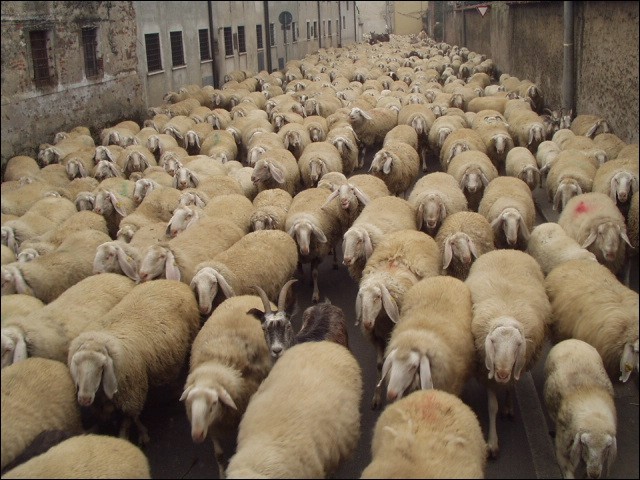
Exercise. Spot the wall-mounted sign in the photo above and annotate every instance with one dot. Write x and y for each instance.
(482, 9)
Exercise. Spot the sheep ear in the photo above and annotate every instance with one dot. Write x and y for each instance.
(386, 366)
(276, 172)
(361, 196)
(81, 170)
(426, 382)
(386, 167)
(390, 305)
(368, 247)
(521, 359)
(320, 236)
(185, 394)
(365, 115)
(117, 205)
(109, 380)
(472, 248)
(593, 129)
(127, 264)
(624, 237)
(226, 398)
(523, 230)
(20, 349)
(443, 212)
(489, 353)
(591, 238)
(21, 284)
(358, 308)
(496, 224)
(331, 196)
(419, 218)
(448, 253)
(627, 361)
(226, 288)
(557, 199)
(195, 179)
(172, 272)
(575, 451)
(485, 180)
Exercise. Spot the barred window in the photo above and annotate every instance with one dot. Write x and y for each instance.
(324, 28)
(308, 31)
(259, 37)
(90, 48)
(205, 51)
(315, 29)
(329, 28)
(242, 44)
(344, 24)
(228, 41)
(177, 50)
(294, 33)
(40, 56)
(152, 46)
(272, 34)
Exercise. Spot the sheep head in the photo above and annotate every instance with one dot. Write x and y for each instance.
(505, 350)
(202, 405)
(185, 178)
(605, 237)
(156, 262)
(623, 185)
(205, 286)
(461, 247)
(431, 212)
(407, 371)
(473, 180)
(372, 297)
(91, 365)
(356, 244)
(183, 217)
(597, 449)
(567, 189)
(303, 231)
(14, 346)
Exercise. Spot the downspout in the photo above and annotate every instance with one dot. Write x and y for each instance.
(339, 26)
(267, 31)
(213, 44)
(568, 74)
(464, 29)
(319, 32)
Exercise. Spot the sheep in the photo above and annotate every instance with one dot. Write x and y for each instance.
(157, 206)
(462, 238)
(318, 159)
(508, 205)
(317, 127)
(442, 128)
(380, 216)
(277, 168)
(229, 359)
(260, 143)
(402, 133)
(18, 201)
(271, 207)
(121, 134)
(117, 257)
(619, 179)
(474, 171)
(434, 197)
(400, 260)
(458, 141)
(595, 222)
(550, 245)
(26, 414)
(371, 127)
(421, 119)
(521, 163)
(632, 223)
(21, 166)
(431, 346)
(316, 227)
(55, 153)
(571, 174)
(80, 163)
(511, 316)
(156, 320)
(44, 215)
(220, 145)
(589, 125)
(344, 139)
(526, 128)
(177, 258)
(498, 141)
(355, 192)
(233, 271)
(590, 304)
(135, 158)
(48, 276)
(580, 400)
(398, 165)
(431, 421)
(546, 155)
(316, 441)
(629, 151)
(295, 138)
(490, 102)
(113, 206)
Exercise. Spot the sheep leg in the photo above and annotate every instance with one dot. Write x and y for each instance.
(361, 155)
(222, 464)
(143, 434)
(376, 402)
(564, 462)
(507, 407)
(492, 442)
(335, 258)
(315, 298)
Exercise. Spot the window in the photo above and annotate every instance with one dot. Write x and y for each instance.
(344, 24)
(177, 51)
(259, 37)
(90, 49)
(315, 29)
(205, 51)
(242, 44)
(294, 33)
(228, 42)
(152, 45)
(347, 6)
(308, 31)
(324, 28)
(329, 27)
(40, 56)
(272, 34)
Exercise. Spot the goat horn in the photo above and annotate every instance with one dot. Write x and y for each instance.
(283, 294)
(265, 299)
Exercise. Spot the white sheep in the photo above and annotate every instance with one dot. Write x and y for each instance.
(590, 304)
(277, 168)
(458, 141)
(18, 200)
(229, 360)
(121, 134)
(550, 245)
(595, 222)
(220, 145)
(521, 163)
(441, 128)
(462, 238)
(398, 165)
(318, 159)
(507, 204)
(420, 118)
(344, 139)
(354, 192)
(473, 170)
(400, 260)
(38, 394)
(496, 138)
(431, 346)
(511, 315)
(271, 207)
(157, 206)
(48, 276)
(55, 153)
(85, 456)
(117, 257)
(430, 421)
(317, 127)
(144, 343)
(264, 258)
(114, 206)
(619, 179)
(47, 331)
(321, 429)
(371, 126)
(434, 197)
(526, 128)
(589, 125)
(546, 155)
(580, 401)
(21, 166)
(295, 138)
(260, 143)
(380, 216)
(632, 223)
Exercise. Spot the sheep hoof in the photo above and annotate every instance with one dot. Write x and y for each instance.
(493, 451)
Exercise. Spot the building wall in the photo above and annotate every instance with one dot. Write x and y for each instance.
(408, 17)
(526, 40)
(374, 17)
(32, 115)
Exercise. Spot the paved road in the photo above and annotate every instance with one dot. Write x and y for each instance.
(525, 441)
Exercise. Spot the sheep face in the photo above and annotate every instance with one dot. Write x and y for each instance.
(91, 366)
(623, 186)
(371, 299)
(27, 255)
(205, 286)
(303, 232)
(202, 405)
(505, 349)
(156, 261)
(105, 169)
(473, 180)
(183, 218)
(356, 244)
(513, 227)
(567, 189)
(14, 347)
(192, 198)
(85, 201)
(604, 241)
(142, 187)
(459, 247)
(404, 371)
(596, 449)
(432, 212)
(185, 178)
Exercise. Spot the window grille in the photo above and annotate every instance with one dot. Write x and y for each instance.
(242, 44)
(259, 37)
(90, 48)
(40, 56)
(228, 41)
(205, 51)
(154, 58)
(272, 34)
(177, 50)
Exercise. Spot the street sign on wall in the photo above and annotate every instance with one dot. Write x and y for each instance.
(482, 9)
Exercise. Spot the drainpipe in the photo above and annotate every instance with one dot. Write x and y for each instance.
(568, 66)
(212, 43)
(265, 6)
(339, 26)
(319, 32)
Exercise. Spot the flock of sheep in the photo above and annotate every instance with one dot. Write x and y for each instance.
(175, 245)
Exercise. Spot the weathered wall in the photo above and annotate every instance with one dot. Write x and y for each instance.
(526, 40)
(408, 17)
(30, 115)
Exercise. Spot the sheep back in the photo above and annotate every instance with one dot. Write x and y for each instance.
(550, 245)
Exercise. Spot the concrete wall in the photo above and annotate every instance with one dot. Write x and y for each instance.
(408, 17)
(32, 115)
(374, 17)
(605, 48)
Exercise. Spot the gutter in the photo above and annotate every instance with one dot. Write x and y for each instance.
(568, 91)
(212, 44)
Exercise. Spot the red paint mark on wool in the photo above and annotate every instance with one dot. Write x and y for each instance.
(582, 208)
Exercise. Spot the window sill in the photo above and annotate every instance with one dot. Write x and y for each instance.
(179, 67)
(208, 60)
(155, 72)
